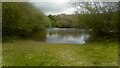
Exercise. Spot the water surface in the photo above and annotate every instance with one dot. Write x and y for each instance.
(60, 35)
(67, 35)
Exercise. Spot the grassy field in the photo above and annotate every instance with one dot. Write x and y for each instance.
(0, 54)
(31, 53)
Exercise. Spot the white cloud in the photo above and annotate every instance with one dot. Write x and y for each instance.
(58, 0)
(49, 1)
(55, 7)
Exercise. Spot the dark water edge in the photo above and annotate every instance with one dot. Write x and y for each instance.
(37, 36)
(60, 35)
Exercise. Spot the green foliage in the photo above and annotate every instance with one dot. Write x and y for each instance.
(52, 19)
(21, 18)
(64, 21)
(101, 18)
(103, 25)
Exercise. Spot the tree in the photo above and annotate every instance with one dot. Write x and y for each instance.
(21, 18)
(101, 17)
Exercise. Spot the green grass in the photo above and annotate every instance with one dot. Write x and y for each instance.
(31, 53)
(0, 54)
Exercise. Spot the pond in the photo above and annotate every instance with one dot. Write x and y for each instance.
(61, 35)
(67, 35)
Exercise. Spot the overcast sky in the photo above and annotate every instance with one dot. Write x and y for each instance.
(59, 6)
(55, 8)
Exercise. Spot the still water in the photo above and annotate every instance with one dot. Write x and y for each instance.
(61, 35)
(67, 35)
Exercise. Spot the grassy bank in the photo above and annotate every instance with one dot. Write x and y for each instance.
(31, 53)
(0, 54)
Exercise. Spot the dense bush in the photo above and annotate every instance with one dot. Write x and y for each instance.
(21, 18)
(100, 17)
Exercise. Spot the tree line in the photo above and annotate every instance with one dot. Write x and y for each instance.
(21, 18)
(63, 21)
